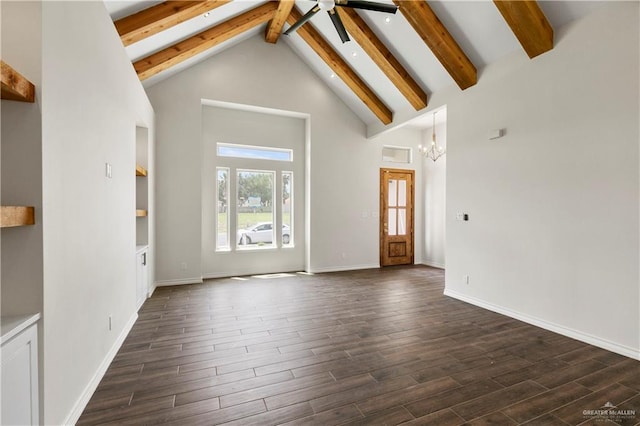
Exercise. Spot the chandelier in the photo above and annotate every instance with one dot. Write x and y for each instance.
(433, 151)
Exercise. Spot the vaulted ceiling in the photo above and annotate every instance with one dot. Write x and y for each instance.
(390, 66)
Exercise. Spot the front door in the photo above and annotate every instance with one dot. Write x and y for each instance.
(396, 217)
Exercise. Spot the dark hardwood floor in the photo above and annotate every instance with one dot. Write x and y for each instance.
(373, 347)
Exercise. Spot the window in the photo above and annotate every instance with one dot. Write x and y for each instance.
(397, 204)
(222, 226)
(253, 202)
(287, 209)
(396, 154)
(255, 213)
(254, 152)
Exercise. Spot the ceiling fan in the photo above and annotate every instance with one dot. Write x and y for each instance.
(330, 5)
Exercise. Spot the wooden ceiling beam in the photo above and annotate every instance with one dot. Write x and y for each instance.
(185, 49)
(436, 36)
(274, 28)
(379, 53)
(158, 18)
(529, 25)
(342, 69)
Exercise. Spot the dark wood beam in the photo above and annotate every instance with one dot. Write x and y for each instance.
(158, 18)
(528, 23)
(342, 69)
(274, 29)
(185, 49)
(378, 52)
(436, 36)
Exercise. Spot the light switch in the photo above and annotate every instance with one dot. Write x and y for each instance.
(107, 170)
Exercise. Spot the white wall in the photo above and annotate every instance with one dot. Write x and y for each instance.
(553, 230)
(91, 103)
(344, 164)
(434, 184)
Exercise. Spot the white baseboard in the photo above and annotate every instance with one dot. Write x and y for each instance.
(181, 281)
(82, 402)
(151, 290)
(246, 272)
(344, 268)
(433, 264)
(556, 328)
(222, 275)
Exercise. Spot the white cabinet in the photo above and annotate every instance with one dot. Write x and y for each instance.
(142, 275)
(19, 371)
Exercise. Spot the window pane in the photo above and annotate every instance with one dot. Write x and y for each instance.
(402, 193)
(392, 222)
(393, 189)
(222, 226)
(255, 209)
(287, 209)
(395, 154)
(402, 221)
(254, 152)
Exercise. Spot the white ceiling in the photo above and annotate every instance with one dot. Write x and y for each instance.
(477, 26)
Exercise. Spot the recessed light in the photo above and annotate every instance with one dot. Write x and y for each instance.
(206, 15)
(332, 75)
(387, 19)
(354, 54)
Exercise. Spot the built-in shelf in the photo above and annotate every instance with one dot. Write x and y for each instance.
(15, 87)
(140, 171)
(16, 216)
(141, 213)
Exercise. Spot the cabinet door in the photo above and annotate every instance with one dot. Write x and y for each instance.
(141, 278)
(20, 379)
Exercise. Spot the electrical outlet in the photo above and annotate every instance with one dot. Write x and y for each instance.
(183, 266)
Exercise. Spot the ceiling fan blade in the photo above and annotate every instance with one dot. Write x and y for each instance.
(337, 22)
(303, 20)
(368, 5)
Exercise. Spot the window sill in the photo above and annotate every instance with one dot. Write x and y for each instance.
(253, 249)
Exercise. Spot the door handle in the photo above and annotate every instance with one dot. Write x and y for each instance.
(144, 259)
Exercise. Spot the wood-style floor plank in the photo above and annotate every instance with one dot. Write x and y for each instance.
(371, 347)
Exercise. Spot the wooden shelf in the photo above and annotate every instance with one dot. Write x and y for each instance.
(16, 216)
(141, 213)
(15, 87)
(140, 171)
